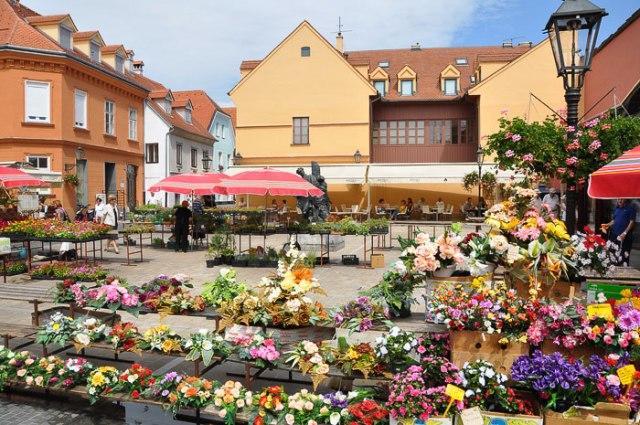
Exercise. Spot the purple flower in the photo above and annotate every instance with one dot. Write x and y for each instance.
(629, 319)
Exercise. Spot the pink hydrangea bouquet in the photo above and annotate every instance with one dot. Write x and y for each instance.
(112, 294)
(429, 254)
(262, 349)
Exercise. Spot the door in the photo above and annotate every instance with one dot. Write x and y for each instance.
(82, 191)
(132, 180)
(110, 179)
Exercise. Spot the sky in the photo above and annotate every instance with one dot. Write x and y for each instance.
(199, 44)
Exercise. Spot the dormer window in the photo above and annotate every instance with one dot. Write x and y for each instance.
(119, 64)
(461, 61)
(94, 51)
(381, 86)
(383, 64)
(450, 81)
(167, 106)
(450, 86)
(65, 37)
(406, 87)
(305, 51)
(187, 115)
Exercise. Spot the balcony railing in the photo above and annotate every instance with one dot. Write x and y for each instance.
(424, 153)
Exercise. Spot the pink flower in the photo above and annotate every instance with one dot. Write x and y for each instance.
(605, 126)
(562, 170)
(571, 161)
(527, 157)
(604, 156)
(594, 146)
(570, 129)
(509, 153)
(508, 135)
(516, 137)
(573, 146)
(592, 123)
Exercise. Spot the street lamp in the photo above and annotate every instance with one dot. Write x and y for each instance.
(206, 161)
(573, 30)
(480, 161)
(357, 156)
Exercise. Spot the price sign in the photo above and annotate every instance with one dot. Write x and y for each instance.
(600, 310)
(454, 392)
(472, 416)
(626, 374)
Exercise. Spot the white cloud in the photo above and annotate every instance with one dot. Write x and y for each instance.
(192, 44)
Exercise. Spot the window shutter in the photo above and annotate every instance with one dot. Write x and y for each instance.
(80, 109)
(65, 37)
(37, 101)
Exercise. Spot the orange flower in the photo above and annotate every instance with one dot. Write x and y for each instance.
(207, 385)
(191, 392)
(303, 273)
(173, 398)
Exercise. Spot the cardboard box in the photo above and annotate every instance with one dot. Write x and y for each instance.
(468, 346)
(610, 288)
(430, 421)
(602, 414)
(493, 418)
(377, 261)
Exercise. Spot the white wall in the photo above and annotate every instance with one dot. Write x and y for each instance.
(155, 131)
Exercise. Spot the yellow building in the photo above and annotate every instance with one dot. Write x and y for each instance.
(390, 124)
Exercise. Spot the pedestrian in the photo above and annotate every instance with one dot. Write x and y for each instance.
(197, 206)
(98, 210)
(61, 213)
(552, 202)
(621, 228)
(183, 216)
(284, 208)
(110, 218)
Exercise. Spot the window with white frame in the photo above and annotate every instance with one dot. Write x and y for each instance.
(178, 153)
(80, 109)
(133, 124)
(39, 162)
(65, 37)
(109, 117)
(380, 85)
(194, 158)
(151, 153)
(119, 63)
(225, 131)
(94, 51)
(406, 87)
(450, 86)
(37, 101)
(301, 131)
(187, 115)
(217, 130)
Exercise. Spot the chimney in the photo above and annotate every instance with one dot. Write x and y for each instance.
(415, 46)
(137, 67)
(128, 63)
(340, 42)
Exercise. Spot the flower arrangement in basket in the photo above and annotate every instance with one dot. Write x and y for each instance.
(74, 372)
(88, 330)
(397, 350)
(594, 253)
(360, 315)
(427, 254)
(282, 300)
(308, 356)
(135, 380)
(367, 412)
(619, 329)
(191, 392)
(169, 295)
(59, 330)
(482, 252)
(124, 337)
(163, 387)
(563, 323)
(101, 382)
(353, 358)
(303, 407)
(230, 397)
(223, 289)
(260, 348)
(269, 406)
(113, 294)
(160, 338)
(43, 371)
(206, 345)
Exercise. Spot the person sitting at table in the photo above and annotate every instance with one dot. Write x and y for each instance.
(380, 209)
(467, 207)
(409, 205)
(421, 203)
(283, 208)
(482, 205)
(440, 206)
(401, 214)
(274, 205)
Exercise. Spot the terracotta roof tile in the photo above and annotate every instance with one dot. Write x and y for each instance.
(22, 10)
(233, 113)
(249, 64)
(45, 19)
(112, 48)
(179, 103)
(84, 35)
(204, 108)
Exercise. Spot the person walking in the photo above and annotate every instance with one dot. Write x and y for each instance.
(98, 210)
(110, 218)
(183, 216)
(621, 228)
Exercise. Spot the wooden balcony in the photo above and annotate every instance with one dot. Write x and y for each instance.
(423, 153)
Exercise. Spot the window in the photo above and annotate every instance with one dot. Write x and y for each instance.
(39, 162)
(454, 132)
(109, 118)
(37, 101)
(151, 153)
(94, 51)
(402, 125)
(305, 51)
(406, 87)
(450, 86)
(133, 124)
(220, 165)
(80, 109)
(384, 132)
(463, 131)
(217, 131)
(301, 131)
(461, 61)
(447, 132)
(194, 158)
(393, 132)
(380, 86)
(383, 64)
(187, 115)
(411, 132)
(119, 63)
(65, 37)
(178, 153)
(225, 131)
(435, 132)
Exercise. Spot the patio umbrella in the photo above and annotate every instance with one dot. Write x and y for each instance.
(267, 181)
(12, 177)
(190, 183)
(618, 179)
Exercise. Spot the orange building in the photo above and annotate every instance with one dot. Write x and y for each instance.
(74, 108)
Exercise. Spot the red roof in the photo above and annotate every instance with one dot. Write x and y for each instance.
(232, 111)
(45, 19)
(204, 108)
(427, 63)
(84, 35)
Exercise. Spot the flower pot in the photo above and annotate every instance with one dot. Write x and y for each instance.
(445, 271)
(227, 260)
(436, 420)
(468, 346)
(403, 312)
(212, 262)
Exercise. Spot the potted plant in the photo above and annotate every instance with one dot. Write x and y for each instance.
(71, 179)
(396, 288)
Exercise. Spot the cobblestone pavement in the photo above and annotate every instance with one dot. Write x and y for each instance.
(33, 412)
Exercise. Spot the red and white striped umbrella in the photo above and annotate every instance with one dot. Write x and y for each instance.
(190, 184)
(267, 181)
(618, 179)
(13, 177)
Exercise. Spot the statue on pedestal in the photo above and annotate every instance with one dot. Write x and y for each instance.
(315, 209)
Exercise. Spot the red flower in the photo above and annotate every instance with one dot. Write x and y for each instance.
(135, 394)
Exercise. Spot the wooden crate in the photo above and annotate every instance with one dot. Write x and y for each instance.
(468, 346)
(602, 414)
(583, 351)
(557, 291)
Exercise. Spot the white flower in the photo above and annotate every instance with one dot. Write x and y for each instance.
(207, 345)
(334, 418)
(240, 403)
(132, 378)
(383, 350)
(310, 347)
(490, 373)
(83, 339)
(407, 347)
(222, 413)
(395, 331)
(289, 419)
(399, 267)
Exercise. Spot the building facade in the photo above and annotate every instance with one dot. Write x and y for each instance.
(363, 113)
(76, 111)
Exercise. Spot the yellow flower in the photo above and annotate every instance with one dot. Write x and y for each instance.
(352, 354)
(97, 379)
(168, 345)
(305, 285)
(626, 293)
(289, 281)
(503, 341)
(56, 326)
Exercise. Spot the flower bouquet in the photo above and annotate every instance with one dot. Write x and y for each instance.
(205, 345)
(334, 406)
(261, 349)
(59, 330)
(483, 252)
(135, 380)
(43, 371)
(398, 350)
(437, 256)
(367, 412)
(224, 289)
(395, 290)
(437, 371)
(124, 337)
(101, 382)
(230, 397)
(308, 356)
(163, 386)
(434, 344)
(191, 392)
(19, 364)
(618, 332)
(74, 372)
(358, 357)
(360, 315)
(268, 407)
(303, 407)
(88, 330)
(170, 295)
(594, 253)
(62, 292)
(485, 388)
(112, 295)
(563, 323)
(160, 338)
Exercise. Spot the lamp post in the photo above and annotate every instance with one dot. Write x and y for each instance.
(357, 156)
(480, 161)
(572, 31)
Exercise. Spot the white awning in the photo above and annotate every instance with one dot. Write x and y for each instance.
(333, 173)
(428, 173)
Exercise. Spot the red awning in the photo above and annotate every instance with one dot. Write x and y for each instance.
(618, 179)
(190, 184)
(13, 177)
(268, 181)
